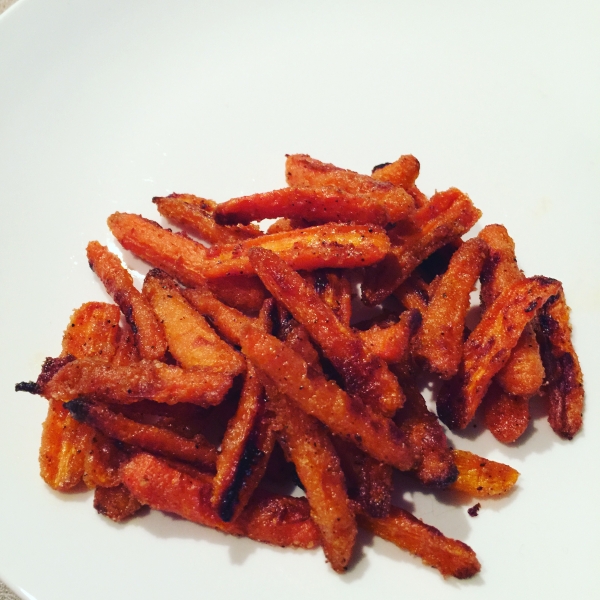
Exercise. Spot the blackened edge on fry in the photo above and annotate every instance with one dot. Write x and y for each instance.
(78, 408)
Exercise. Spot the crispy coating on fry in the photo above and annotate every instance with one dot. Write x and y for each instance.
(303, 171)
(564, 385)
(242, 292)
(446, 217)
(147, 379)
(392, 343)
(334, 289)
(306, 443)
(197, 215)
(245, 450)
(102, 461)
(269, 518)
(229, 321)
(369, 481)
(174, 253)
(480, 477)
(71, 452)
(343, 414)
(92, 331)
(148, 437)
(116, 503)
(147, 331)
(365, 375)
(488, 347)
(337, 246)
(436, 464)
(322, 246)
(506, 416)
(313, 205)
(450, 557)
(402, 172)
(439, 341)
(191, 340)
(61, 459)
(523, 374)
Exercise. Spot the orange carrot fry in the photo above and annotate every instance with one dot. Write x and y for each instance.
(245, 451)
(116, 503)
(334, 289)
(306, 443)
(345, 415)
(147, 330)
(439, 341)
(506, 416)
(365, 375)
(480, 477)
(489, 346)
(523, 374)
(192, 341)
(322, 246)
(304, 171)
(564, 385)
(446, 217)
(313, 205)
(148, 437)
(269, 518)
(402, 172)
(369, 481)
(92, 331)
(197, 215)
(147, 379)
(392, 343)
(337, 246)
(436, 465)
(450, 557)
(228, 321)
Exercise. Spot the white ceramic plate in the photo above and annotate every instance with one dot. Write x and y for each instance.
(104, 104)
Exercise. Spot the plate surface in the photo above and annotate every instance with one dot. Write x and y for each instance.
(105, 104)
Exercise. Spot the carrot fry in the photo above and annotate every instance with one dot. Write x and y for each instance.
(450, 557)
(402, 172)
(148, 437)
(365, 375)
(436, 465)
(480, 477)
(245, 451)
(306, 443)
(523, 374)
(337, 246)
(197, 215)
(192, 341)
(313, 205)
(147, 331)
(303, 171)
(92, 331)
(147, 379)
(489, 346)
(334, 289)
(446, 217)
(506, 416)
(439, 341)
(392, 343)
(345, 415)
(228, 321)
(269, 518)
(369, 481)
(564, 385)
